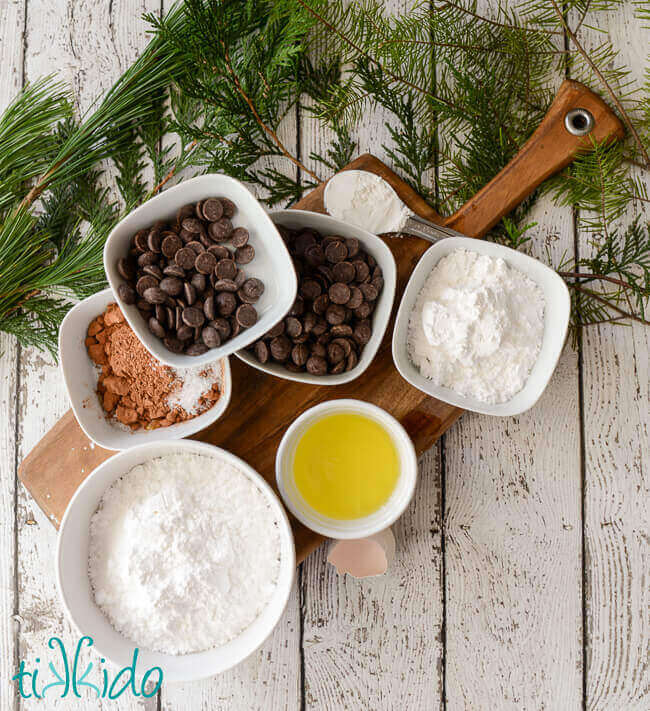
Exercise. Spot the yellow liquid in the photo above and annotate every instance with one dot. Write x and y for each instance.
(346, 466)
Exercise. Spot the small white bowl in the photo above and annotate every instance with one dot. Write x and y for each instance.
(75, 588)
(353, 528)
(80, 378)
(326, 225)
(272, 263)
(556, 322)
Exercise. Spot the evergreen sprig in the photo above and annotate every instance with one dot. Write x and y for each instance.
(222, 78)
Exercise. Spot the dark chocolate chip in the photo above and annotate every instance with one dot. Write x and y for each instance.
(193, 225)
(185, 258)
(229, 207)
(174, 270)
(293, 326)
(193, 317)
(339, 293)
(225, 269)
(280, 348)
(261, 351)
(316, 365)
(352, 360)
(337, 368)
(253, 288)
(125, 268)
(205, 263)
(335, 314)
(369, 292)
(356, 298)
(184, 333)
(310, 289)
(314, 255)
(222, 326)
(196, 246)
(154, 240)
(212, 209)
(154, 295)
(156, 327)
(336, 252)
(189, 292)
(140, 240)
(298, 307)
(196, 349)
(225, 285)
(173, 344)
(362, 333)
(335, 353)
(277, 330)
(147, 258)
(171, 285)
(226, 303)
(245, 254)
(220, 230)
(362, 269)
(211, 337)
(246, 315)
(154, 271)
(344, 272)
(300, 354)
(321, 303)
(352, 243)
(127, 294)
(219, 251)
(239, 237)
(209, 307)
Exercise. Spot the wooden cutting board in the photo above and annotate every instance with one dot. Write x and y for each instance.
(263, 406)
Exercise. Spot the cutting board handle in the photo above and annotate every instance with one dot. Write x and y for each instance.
(551, 148)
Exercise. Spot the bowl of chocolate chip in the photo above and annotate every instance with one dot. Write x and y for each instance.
(200, 271)
(346, 286)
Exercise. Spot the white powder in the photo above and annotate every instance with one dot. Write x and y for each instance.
(193, 384)
(184, 553)
(365, 200)
(477, 326)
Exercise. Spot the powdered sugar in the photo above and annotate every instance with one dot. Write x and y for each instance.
(365, 200)
(194, 384)
(184, 553)
(477, 326)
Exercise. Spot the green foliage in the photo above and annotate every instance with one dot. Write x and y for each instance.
(213, 91)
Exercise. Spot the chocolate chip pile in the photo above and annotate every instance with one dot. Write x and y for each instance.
(188, 283)
(329, 322)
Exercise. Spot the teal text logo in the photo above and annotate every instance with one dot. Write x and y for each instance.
(65, 678)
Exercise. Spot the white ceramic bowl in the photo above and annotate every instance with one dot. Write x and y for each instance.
(556, 322)
(76, 593)
(81, 380)
(354, 528)
(272, 263)
(373, 245)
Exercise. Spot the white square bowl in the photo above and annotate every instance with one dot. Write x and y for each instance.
(80, 378)
(326, 225)
(556, 322)
(272, 263)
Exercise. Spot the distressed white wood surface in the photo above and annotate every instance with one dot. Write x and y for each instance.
(616, 384)
(512, 547)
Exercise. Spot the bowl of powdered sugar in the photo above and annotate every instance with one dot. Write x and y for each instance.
(481, 326)
(179, 549)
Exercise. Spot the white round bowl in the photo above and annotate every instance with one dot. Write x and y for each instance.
(353, 528)
(556, 322)
(80, 380)
(326, 225)
(272, 263)
(75, 589)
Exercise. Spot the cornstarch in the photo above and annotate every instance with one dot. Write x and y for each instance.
(477, 326)
(184, 553)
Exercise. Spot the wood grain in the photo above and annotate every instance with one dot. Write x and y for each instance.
(12, 22)
(377, 644)
(513, 539)
(88, 44)
(616, 386)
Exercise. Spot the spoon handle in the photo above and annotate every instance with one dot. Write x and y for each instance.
(419, 227)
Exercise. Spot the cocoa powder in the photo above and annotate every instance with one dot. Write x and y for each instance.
(133, 386)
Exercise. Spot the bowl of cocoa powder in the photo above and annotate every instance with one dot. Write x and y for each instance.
(120, 394)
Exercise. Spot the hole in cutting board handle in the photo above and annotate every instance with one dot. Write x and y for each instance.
(579, 122)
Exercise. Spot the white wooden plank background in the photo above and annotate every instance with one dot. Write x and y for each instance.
(498, 570)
